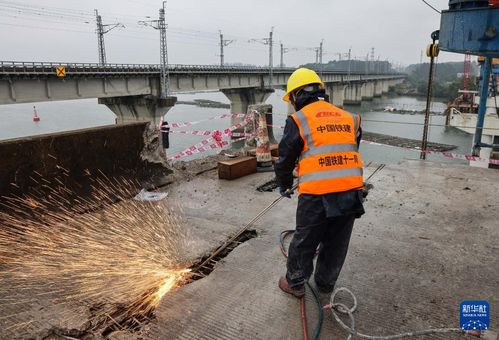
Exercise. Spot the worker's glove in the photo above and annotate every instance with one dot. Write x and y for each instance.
(285, 192)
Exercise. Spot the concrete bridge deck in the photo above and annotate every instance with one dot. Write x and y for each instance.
(427, 242)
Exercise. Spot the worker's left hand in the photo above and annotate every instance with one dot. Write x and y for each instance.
(286, 192)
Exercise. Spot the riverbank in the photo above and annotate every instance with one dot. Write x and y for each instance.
(404, 142)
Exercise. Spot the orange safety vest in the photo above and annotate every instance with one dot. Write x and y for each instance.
(330, 160)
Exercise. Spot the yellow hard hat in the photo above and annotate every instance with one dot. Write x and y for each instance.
(301, 77)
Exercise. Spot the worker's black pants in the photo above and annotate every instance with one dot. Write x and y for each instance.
(333, 234)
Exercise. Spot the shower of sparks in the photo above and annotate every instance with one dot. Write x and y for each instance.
(109, 255)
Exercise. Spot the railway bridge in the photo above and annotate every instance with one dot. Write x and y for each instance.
(132, 91)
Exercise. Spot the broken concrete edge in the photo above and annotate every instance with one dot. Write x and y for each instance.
(75, 157)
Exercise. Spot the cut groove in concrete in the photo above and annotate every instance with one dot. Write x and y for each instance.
(208, 267)
(268, 186)
(133, 323)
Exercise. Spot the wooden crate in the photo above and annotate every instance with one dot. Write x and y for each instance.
(235, 168)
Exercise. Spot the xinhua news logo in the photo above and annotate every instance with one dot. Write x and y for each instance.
(475, 315)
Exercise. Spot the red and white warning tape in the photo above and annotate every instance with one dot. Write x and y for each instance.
(184, 124)
(226, 132)
(202, 147)
(444, 154)
(216, 137)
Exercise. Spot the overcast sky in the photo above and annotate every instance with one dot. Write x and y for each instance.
(64, 30)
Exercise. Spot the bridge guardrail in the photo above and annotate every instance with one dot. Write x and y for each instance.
(48, 68)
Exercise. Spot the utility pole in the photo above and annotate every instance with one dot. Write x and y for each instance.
(161, 26)
(317, 51)
(268, 41)
(321, 51)
(372, 66)
(101, 30)
(349, 62)
(223, 43)
(165, 76)
(271, 56)
(283, 50)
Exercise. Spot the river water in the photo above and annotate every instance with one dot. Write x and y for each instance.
(16, 121)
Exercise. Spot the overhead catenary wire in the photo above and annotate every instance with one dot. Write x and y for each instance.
(26, 11)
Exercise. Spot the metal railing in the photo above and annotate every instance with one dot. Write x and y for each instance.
(48, 68)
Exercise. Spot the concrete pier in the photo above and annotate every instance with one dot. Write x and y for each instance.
(353, 94)
(368, 91)
(378, 88)
(139, 108)
(336, 94)
(241, 99)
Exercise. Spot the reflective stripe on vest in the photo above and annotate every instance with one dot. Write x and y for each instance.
(323, 175)
(330, 167)
(305, 129)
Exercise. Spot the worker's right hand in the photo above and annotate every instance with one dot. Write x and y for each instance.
(286, 192)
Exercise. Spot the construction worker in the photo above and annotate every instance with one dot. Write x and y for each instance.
(165, 136)
(324, 140)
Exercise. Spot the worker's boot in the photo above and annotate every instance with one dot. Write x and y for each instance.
(284, 285)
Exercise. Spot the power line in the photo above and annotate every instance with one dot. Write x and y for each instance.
(40, 11)
(45, 28)
(70, 23)
(48, 8)
(61, 15)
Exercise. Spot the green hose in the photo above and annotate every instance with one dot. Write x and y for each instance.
(318, 326)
